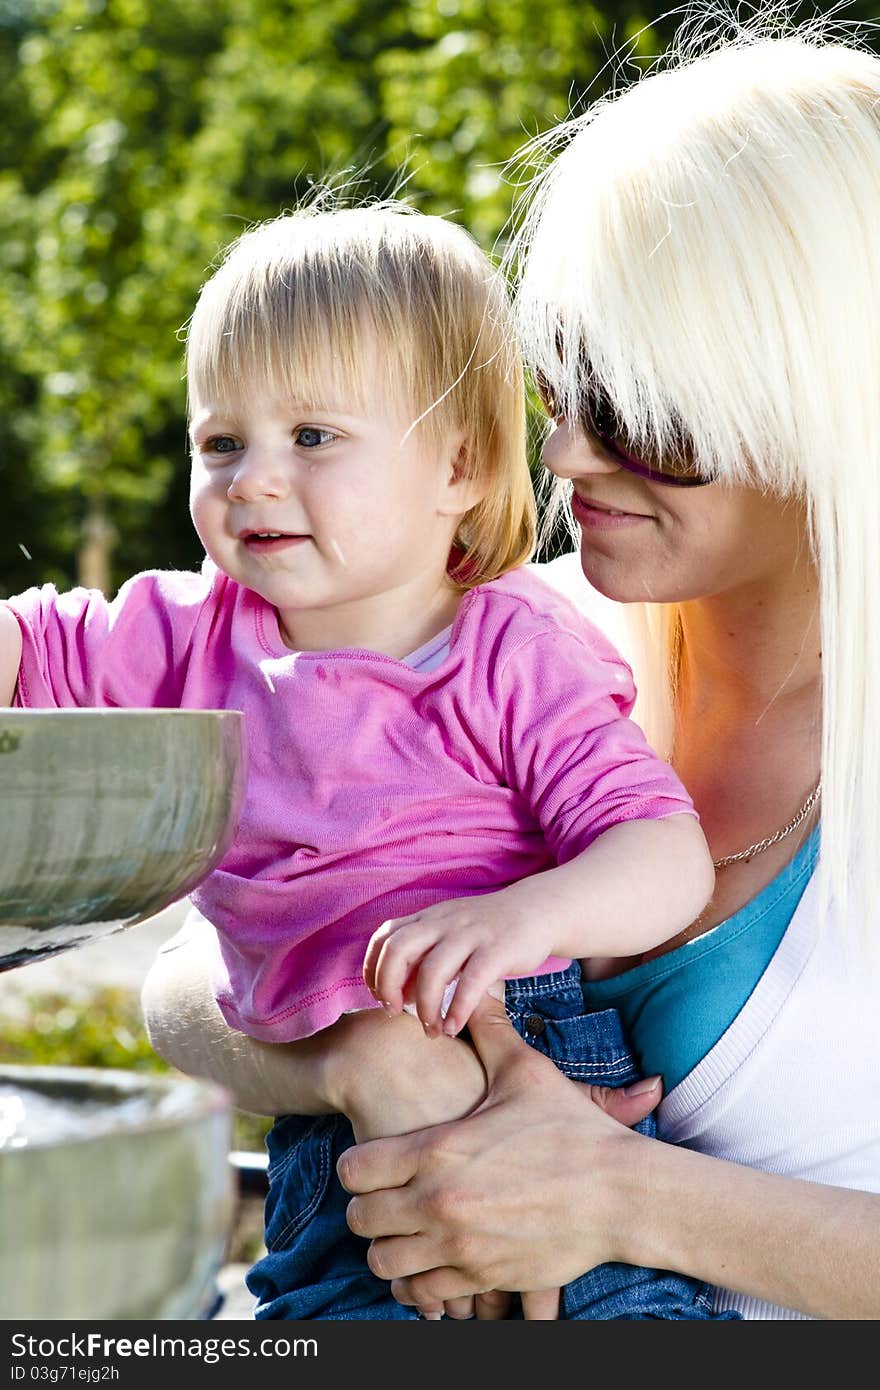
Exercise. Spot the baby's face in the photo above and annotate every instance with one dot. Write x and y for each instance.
(333, 513)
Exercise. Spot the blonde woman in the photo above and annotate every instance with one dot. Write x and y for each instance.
(699, 297)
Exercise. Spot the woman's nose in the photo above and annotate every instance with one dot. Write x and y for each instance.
(259, 473)
(569, 453)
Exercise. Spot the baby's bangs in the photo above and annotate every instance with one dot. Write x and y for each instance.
(283, 334)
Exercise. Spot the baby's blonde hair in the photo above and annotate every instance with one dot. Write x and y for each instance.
(709, 242)
(319, 299)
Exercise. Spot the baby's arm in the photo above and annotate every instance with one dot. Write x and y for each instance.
(10, 655)
(638, 884)
(633, 868)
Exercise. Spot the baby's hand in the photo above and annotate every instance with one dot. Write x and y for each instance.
(475, 941)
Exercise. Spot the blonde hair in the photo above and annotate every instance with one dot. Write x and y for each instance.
(710, 239)
(320, 298)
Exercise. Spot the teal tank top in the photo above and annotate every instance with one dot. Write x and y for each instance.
(675, 1008)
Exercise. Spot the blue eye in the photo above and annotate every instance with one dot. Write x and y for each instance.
(222, 444)
(311, 437)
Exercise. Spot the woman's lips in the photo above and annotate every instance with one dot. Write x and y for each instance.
(601, 518)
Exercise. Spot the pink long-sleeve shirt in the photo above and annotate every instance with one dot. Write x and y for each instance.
(374, 789)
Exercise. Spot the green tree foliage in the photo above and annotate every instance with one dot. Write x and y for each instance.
(138, 137)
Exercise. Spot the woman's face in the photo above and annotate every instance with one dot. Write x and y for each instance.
(643, 541)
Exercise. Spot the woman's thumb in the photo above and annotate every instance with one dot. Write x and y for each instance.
(629, 1104)
(493, 1035)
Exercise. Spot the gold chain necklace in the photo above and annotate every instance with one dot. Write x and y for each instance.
(745, 855)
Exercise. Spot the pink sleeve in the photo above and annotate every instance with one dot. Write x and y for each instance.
(570, 748)
(79, 649)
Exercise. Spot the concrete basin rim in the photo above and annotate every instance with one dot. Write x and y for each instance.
(206, 1098)
(104, 712)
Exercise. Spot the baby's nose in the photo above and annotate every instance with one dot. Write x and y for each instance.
(259, 474)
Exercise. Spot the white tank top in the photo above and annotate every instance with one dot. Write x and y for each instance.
(793, 1086)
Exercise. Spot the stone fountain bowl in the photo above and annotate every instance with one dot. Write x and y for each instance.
(107, 817)
(116, 1194)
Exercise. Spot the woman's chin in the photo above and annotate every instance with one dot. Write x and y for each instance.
(653, 579)
(614, 579)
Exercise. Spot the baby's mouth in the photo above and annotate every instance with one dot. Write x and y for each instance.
(264, 542)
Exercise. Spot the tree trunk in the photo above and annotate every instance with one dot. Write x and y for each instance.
(99, 536)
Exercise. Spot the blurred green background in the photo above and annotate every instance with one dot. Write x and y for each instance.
(139, 137)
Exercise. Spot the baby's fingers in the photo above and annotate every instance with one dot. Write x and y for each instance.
(392, 953)
(436, 972)
(414, 965)
(482, 970)
(371, 956)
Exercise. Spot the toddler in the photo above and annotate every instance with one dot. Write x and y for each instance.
(444, 784)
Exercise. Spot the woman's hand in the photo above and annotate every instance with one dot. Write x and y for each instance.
(384, 1074)
(526, 1193)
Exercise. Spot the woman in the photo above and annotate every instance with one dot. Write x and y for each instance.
(699, 295)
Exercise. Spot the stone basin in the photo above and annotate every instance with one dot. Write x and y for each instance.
(108, 816)
(116, 1194)
(116, 1189)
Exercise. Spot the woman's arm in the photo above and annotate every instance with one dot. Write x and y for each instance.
(368, 1067)
(10, 654)
(539, 1184)
(797, 1244)
(187, 1029)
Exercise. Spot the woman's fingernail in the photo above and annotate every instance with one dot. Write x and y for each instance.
(497, 990)
(641, 1088)
(431, 1317)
